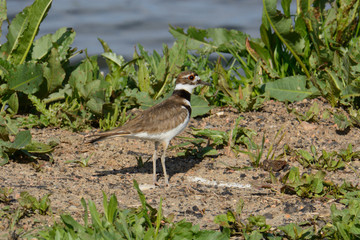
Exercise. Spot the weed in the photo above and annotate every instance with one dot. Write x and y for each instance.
(255, 151)
(215, 139)
(83, 162)
(5, 194)
(345, 222)
(311, 115)
(30, 204)
(22, 143)
(326, 160)
(232, 224)
(193, 147)
(313, 185)
(143, 223)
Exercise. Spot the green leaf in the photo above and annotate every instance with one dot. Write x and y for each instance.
(95, 105)
(3, 13)
(22, 139)
(143, 202)
(4, 157)
(95, 216)
(114, 58)
(71, 223)
(341, 121)
(38, 147)
(60, 40)
(84, 75)
(10, 127)
(222, 39)
(289, 89)
(143, 77)
(282, 26)
(53, 71)
(34, 16)
(199, 106)
(14, 103)
(26, 78)
(15, 32)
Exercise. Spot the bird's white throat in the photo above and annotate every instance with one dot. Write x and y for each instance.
(187, 87)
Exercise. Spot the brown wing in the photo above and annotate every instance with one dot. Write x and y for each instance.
(163, 116)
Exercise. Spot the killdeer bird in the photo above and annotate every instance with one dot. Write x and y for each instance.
(161, 122)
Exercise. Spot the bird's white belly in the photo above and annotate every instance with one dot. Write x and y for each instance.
(163, 136)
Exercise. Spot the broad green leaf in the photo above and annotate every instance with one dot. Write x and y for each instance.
(199, 106)
(5, 67)
(169, 65)
(26, 78)
(222, 39)
(38, 147)
(208, 234)
(14, 103)
(59, 95)
(53, 72)
(34, 16)
(95, 105)
(61, 40)
(81, 76)
(22, 139)
(289, 89)
(15, 32)
(95, 216)
(4, 158)
(10, 125)
(285, 4)
(3, 13)
(114, 58)
(143, 202)
(70, 221)
(283, 28)
(143, 77)
(4, 133)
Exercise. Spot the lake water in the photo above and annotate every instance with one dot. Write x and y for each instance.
(125, 23)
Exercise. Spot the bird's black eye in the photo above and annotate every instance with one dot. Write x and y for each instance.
(191, 77)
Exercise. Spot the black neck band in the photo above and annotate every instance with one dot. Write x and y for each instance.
(182, 93)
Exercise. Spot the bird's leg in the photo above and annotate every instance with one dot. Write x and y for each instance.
(154, 158)
(165, 145)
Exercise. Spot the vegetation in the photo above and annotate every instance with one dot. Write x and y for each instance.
(312, 52)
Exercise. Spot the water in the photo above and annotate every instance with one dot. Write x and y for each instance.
(125, 23)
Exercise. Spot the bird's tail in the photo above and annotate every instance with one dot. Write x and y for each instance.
(92, 138)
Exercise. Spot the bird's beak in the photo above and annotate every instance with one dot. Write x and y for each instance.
(200, 82)
(204, 83)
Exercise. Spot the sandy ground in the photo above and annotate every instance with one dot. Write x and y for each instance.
(200, 188)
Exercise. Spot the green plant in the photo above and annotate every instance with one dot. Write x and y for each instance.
(255, 151)
(142, 223)
(294, 231)
(345, 222)
(215, 139)
(232, 224)
(314, 185)
(311, 115)
(32, 67)
(30, 203)
(193, 147)
(113, 118)
(5, 194)
(312, 52)
(22, 143)
(326, 160)
(83, 162)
